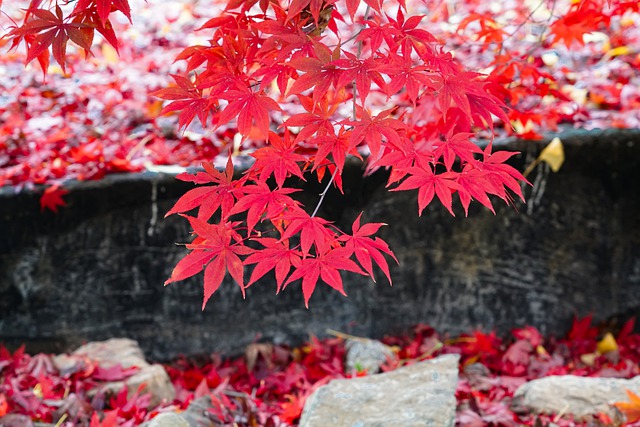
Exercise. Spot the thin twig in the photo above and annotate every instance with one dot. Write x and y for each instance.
(355, 95)
(344, 336)
(324, 192)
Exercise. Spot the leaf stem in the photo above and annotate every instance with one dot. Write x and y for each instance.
(355, 95)
(324, 192)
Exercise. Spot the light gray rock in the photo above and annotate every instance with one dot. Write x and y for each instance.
(167, 419)
(194, 416)
(156, 380)
(127, 353)
(115, 351)
(196, 413)
(422, 394)
(16, 420)
(569, 394)
(366, 355)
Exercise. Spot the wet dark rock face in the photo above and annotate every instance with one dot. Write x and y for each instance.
(95, 270)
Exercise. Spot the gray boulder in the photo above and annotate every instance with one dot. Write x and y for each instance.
(366, 355)
(126, 353)
(422, 394)
(194, 416)
(570, 394)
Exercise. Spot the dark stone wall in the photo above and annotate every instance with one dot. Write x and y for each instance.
(95, 270)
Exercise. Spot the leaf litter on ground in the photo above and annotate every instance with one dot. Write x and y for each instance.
(269, 384)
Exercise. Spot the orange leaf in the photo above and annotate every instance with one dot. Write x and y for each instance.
(631, 409)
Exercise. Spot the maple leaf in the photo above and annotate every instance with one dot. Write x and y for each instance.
(113, 373)
(52, 198)
(501, 175)
(319, 73)
(339, 146)
(318, 118)
(279, 159)
(276, 255)
(631, 409)
(581, 329)
(457, 145)
(249, 107)
(372, 130)
(575, 24)
(4, 406)
(260, 199)
(110, 419)
(466, 91)
(363, 72)
(405, 75)
(408, 36)
(366, 248)
(104, 7)
(51, 30)
(187, 98)
(325, 266)
(208, 198)
(429, 185)
(313, 230)
(216, 251)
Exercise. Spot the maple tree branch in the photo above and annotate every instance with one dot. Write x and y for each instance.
(355, 96)
(324, 192)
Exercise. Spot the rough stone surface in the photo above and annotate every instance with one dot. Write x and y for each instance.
(422, 394)
(569, 394)
(167, 419)
(115, 351)
(366, 355)
(194, 416)
(127, 353)
(16, 420)
(96, 269)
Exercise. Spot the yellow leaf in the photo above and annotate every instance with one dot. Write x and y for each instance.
(620, 50)
(589, 359)
(631, 409)
(553, 154)
(109, 54)
(607, 343)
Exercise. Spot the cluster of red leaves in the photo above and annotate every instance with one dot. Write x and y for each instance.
(312, 87)
(309, 83)
(269, 385)
(99, 118)
(576, 62)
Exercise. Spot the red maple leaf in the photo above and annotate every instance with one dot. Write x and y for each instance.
(582, 19)
(319, 72)
(110, 419)
(52, 198)
(372, 130)
(104, 7)
(339, 146)
(363, 72)
(278, 158)
(215, 250)
(260, 199)
(430, 184)
(187, 98)
(325, 266)
(276, 255)
(208, 198)
(51, 30)
(249, 107)
(466, 91)
(318, 118)
(313, 230)
(366, 248)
